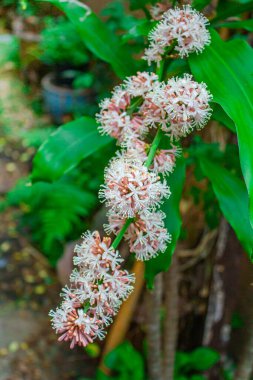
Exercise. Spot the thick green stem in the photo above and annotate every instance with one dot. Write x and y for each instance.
(134, 106)
(154, 147)
(147, 13)
(160, 70)
(121, 233)
(148, 162)
(152, 151)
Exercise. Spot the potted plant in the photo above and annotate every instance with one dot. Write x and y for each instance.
(67, 87)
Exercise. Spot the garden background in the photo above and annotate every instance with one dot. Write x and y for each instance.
(199, 316)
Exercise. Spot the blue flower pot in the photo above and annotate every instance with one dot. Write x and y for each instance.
(60, 101)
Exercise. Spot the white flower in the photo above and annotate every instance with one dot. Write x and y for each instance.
(146, 235)
(140, 84)
(164, 160)
(186, 103)
(130, 188)
(98, 287)
(158, 10)
(116, 118)
(186, 27)
(178, 106)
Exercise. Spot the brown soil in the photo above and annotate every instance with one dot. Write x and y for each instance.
(29, 287)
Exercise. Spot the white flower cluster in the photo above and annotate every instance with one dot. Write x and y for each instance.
(98, 287)
(130, 188)
(163, 162)
(142, 107)
(178, 106)
(115, 117)
(184, 29)
(147, 235)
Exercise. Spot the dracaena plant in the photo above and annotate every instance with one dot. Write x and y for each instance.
(138, 113)
(149, 114)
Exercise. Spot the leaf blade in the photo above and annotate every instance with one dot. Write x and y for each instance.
(66, 147)
(97, 37)
(232, 197)
(226, 67)
(173, 223)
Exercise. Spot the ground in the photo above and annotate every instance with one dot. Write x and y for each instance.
(29, 287)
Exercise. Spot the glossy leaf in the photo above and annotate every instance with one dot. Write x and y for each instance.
(125, 361)
(233, 200)
(203, 358)
(200, 4)
(227, 69)
(220, 115)
(97, 37)
(141, 29)
(139, 4)
(242, 24)
(231, 8)
(66, 147)
(173, 223)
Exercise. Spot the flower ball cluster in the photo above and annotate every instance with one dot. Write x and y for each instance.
(146, 235)
(98, 287)
(132, 191)
(164, 160)
(178, 106)
(130, 188)
(134, 113)
(115, 117)
(184, 29)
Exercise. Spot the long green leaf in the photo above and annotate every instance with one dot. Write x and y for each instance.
(227, 68)
(231, 8)
(173, 223)
(241, 24)
(220, 115)
(233, 200)
(66, 147)
(200, 4)
(97, 37)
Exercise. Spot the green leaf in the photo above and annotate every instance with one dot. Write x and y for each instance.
(9, 49)
(233, 200)
(220, 115)
(200, 4)
(242, 24)
(173, 223)
(97, 37)
(125, 361)
(226, 67)
(52, 212)
(66, 147)
(203, 358)
(141, 29)
(229, 8)
(139, 4)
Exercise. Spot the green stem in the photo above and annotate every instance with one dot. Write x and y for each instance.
(153, 148)
(133, 107)
(147, 13)
(151, 154)
(121, 233)
(160, 70)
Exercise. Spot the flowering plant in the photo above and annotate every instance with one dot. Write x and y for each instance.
(149, 115)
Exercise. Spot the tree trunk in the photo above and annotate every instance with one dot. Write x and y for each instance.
(154, 300)
(171, 318)
(223, 295)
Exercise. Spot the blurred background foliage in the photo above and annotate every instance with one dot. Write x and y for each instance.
(55, 198)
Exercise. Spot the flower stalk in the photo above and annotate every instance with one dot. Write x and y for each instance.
(133, 187)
